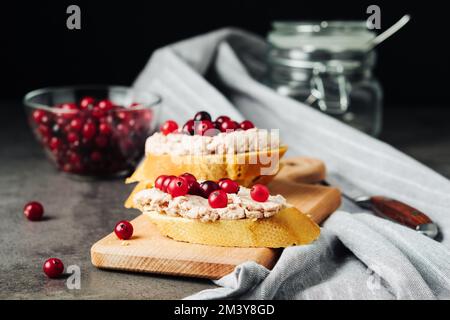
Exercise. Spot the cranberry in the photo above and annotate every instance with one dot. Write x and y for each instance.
(218, 199)
(196, 190)
(72, 137)
(206, 128)
(89, 130)
(33, 211)
(228, 126)
(177, 187)
(101, 142)
(87, 103)
(208, 186)
(221, 120)
(76, 124)
(53, 267)
(122, 129)
(44, 131)
(55, 143)
(246, 124)
(123, 230)
(98, 113)
(188, 127)
(74, 158)
(190, 179)
(202, 115)
(159, 181)
(168, 127)
(68, 106)
(166, 183)
(229, 186)
(38, 115)
(105, 105)
(123, 115)
(259, 193)
(96, 156)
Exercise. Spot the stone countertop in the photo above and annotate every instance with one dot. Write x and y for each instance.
(79, 212)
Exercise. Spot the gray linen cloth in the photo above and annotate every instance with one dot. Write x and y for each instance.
(358, 256)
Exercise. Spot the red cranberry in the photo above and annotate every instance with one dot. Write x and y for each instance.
(76, 124)
(55, 143)
(246, 124)
(96, 156)
(68, 106)
(122, 129)
(228, 126)
(123, 230)
(218, 199)
(259, 193)
(87, 103)
(168, 127)
(229, 186)
(166, 183)
(53, 268)
(72, 137)
(123, 115)
(195, 189)
(202, 115)
(44, 130)
(105, 105)
(74, 158)
(206, 128)
(190, 179)
(97, 112)
(188, 127)
(177, 187)
(33, 211)
(89, 130)
(208, 186)
(38, 115)
(221, 120)
(159, 181)
(101, 142)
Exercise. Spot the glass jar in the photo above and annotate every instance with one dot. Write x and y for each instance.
(327, 65)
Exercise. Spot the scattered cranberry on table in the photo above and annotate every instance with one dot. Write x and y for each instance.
(33, 211)
(218, 199)
(259, 193)
(106, 138)
(53, 268)
(124, 230)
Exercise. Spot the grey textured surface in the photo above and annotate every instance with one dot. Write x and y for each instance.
(80, 212)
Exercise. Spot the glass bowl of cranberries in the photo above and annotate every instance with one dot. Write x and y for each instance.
(93, 131)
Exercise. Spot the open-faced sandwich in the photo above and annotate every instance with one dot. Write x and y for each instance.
(223, 213)
(210, 150)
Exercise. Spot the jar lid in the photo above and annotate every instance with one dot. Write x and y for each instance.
(328, 44)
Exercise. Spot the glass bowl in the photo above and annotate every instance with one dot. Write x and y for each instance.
(97, 131)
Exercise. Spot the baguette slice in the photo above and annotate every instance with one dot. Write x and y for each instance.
(286, 228)
(246, 168)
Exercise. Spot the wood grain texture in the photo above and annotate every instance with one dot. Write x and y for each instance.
(302, 170)
(148, 251)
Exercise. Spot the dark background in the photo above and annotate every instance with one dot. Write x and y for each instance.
(116, 40)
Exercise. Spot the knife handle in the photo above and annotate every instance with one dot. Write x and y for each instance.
(399, 212)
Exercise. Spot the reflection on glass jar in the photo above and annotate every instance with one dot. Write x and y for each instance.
(327, 65)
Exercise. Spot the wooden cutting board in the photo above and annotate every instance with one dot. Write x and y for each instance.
(149, 251)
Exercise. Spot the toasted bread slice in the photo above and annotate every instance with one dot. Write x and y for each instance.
(246, 168)
(286, 228)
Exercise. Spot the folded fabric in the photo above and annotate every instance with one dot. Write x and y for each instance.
(358, 256)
